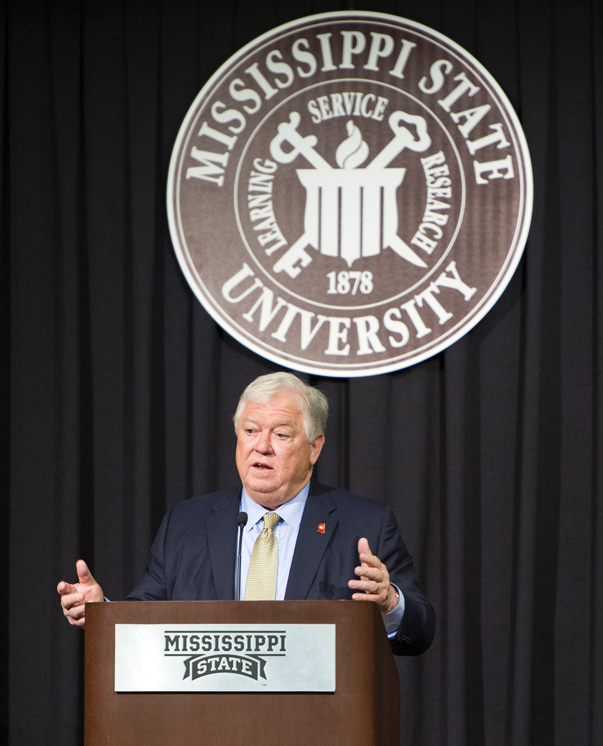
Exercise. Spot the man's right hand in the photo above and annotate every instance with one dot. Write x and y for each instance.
(73, 597)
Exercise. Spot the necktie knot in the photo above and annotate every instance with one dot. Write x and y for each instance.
(270, 520)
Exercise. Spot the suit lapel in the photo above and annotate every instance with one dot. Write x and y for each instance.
(311, 543)
(222, 543)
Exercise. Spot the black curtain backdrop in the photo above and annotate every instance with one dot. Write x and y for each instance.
(116, 388)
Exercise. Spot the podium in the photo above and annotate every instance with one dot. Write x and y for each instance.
(363, 709)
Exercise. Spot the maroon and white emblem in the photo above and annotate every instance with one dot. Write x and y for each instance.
(349, 194)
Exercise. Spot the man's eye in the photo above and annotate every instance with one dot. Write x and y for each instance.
(282, 436)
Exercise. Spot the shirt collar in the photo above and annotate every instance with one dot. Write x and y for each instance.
(291, 512)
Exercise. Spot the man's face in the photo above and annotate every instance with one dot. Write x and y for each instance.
(274, 457)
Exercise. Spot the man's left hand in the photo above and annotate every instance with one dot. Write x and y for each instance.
(373, 580)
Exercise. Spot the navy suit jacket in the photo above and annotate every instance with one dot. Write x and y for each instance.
(194, 555)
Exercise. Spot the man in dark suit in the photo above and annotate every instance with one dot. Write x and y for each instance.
(325, 536)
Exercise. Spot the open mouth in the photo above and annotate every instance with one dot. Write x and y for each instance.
(261, 466)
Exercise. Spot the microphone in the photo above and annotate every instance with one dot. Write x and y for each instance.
(242, 522)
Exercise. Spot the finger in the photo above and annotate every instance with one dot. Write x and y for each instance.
(77, 617)
(368, 586)
(365, 554)
(372, 573)
(371, 560)
(379, 598)
(72, 599)
(366, 597)
(363, 546)
(64, 588)
(77, 612)
(83, 573)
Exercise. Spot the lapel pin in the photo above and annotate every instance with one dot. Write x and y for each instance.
(321, 528)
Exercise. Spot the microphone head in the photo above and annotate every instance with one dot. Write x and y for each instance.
(242, 519)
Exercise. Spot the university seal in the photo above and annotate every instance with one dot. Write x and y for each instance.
(349, 194)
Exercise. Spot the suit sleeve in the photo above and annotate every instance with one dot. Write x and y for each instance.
(152, 587)
(417, 627)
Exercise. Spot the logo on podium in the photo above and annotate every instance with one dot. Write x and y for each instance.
(225, 658)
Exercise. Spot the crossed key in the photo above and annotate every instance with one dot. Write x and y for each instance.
(305, 146)
(403, 138)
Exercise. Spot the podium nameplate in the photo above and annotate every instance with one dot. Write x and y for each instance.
(225, 658)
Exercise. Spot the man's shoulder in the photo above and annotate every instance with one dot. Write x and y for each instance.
(349, 501)
(205, 505)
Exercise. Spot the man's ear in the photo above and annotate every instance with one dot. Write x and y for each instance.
(316, 448)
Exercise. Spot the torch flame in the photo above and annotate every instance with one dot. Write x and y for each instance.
(353, 151)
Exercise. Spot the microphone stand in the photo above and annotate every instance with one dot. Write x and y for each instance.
(242, 522)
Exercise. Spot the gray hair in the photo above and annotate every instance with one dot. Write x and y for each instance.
(313, 404)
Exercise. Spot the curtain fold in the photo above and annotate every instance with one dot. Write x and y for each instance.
(117, 389)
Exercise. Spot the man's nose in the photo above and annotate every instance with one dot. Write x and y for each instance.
(263, 444)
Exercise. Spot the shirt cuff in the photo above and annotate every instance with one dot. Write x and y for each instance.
(393, 618)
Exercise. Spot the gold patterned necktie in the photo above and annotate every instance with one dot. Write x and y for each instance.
(261, 579)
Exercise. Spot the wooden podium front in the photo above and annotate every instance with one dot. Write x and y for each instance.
(364, 710)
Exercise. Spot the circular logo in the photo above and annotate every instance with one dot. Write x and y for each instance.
(349, 194)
